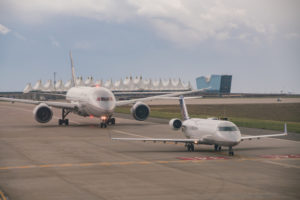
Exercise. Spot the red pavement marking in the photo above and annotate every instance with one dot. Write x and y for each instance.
(281, 156)
(203, 158)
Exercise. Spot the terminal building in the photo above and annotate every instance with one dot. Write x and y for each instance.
(215, 83)
(122, 85)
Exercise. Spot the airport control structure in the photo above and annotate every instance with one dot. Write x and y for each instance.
(128, 84)
(215, 83)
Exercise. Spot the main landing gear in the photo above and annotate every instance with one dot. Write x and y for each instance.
(63, 121)
(218, 147)
(190, 147)
(105, 122)
(230, 151)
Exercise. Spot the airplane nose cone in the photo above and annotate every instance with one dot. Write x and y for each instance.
(235, 138)
(232, 138)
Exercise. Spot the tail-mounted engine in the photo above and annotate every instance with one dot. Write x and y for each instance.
(175, 124)
(42, 113)
(140, 111)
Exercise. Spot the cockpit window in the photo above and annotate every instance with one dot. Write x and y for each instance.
(104, 99)
(227, 128)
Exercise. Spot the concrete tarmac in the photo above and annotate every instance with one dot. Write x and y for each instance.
(47, 161)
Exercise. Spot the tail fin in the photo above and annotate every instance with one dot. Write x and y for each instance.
(184, 112)
(73, 81)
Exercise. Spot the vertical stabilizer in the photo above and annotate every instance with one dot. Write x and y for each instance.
(184, 112)
(73, 81)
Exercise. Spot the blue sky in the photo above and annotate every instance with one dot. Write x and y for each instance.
(258, 42)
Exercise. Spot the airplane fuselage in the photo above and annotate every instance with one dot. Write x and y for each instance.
(223, 133)
(92, 101)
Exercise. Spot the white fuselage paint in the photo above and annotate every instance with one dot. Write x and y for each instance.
(92, 101)
(209, 131)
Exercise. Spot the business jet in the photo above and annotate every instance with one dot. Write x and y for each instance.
(209, 131)
(94, 101)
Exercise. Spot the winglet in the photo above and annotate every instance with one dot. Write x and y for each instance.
(73, 71)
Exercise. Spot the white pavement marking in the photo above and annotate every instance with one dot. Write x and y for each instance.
(281, 164)
(127, 133)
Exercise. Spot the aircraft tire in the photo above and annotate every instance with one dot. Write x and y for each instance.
(103, 125)
(192, 147)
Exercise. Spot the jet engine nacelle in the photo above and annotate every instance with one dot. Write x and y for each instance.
(175, 124)
(140, 111)
(42, 113)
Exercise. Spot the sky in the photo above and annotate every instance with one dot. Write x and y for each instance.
(256, 41)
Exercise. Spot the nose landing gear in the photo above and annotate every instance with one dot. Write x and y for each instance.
(230, 152)
(103, 125)
(105, 122)
(111, 121)
(218, 147)
(190, 147)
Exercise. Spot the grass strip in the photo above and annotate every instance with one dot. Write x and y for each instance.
(241, 122)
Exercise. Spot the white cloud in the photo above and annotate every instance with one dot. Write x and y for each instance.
(180, 21)
(292, 36)
(4, 30)
(19, 36)
(83, 45)
(54, 42)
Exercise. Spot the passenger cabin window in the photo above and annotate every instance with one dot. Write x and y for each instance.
(227, 128)
(104, 98)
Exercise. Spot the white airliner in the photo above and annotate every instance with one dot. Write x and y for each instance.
(90, 101)
(205, 131)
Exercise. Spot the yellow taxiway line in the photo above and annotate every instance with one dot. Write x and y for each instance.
(2, 196)
(124, 163)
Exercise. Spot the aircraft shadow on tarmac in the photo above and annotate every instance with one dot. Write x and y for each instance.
(95, 125)
(225, 150)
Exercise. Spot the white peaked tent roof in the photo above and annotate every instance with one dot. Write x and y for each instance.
(108, 84)
(28, 88)
(128, 84)
(99, 82)
(49, 86)
(59, 86)
(89, 81)
(68, 85)
(79, 82)
(38, 85)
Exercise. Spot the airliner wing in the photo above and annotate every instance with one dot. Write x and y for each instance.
(49, 103)
(164, 140)
(265, 136)
(164, 96)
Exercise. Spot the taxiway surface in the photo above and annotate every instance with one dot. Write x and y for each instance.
(47, 161)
